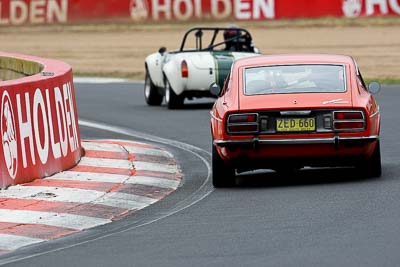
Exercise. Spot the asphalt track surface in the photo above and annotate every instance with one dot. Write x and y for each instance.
(314, 218)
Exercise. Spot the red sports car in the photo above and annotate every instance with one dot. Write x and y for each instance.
(286, 112)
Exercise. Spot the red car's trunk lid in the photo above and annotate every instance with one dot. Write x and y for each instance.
(295, 101)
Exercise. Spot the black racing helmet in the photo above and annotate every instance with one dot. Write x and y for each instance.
(237, 40)
(231, 32)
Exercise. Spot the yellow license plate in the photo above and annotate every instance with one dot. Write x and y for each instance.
(295, 125)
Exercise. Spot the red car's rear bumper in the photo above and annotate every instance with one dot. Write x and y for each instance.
(335, 140)
(258, 153)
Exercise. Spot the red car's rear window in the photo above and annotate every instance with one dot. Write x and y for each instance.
(300, 78)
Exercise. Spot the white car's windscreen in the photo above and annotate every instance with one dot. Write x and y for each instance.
(304, 78)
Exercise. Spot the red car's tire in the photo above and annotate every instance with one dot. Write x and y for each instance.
(223, 175)
(172, 100)
(373, 165)
(151, 93)
(371, 168)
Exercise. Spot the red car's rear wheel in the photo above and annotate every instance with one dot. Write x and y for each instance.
(223, 175)
(373, 167)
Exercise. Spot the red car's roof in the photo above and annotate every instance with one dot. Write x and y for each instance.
(294, 59)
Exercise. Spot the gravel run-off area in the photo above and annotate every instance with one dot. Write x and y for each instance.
(119, 49)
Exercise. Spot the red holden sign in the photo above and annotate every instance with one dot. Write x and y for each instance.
(47, 124)
(39, 125)
(16, 12)
(356, 8)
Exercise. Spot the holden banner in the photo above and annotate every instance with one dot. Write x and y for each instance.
(19, 12)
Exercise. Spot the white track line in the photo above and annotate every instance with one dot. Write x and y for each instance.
(103, 147)
(51, 194)
(115, 178)
(124, 200)
(90, 177)
(77, 195)
(126, 164)
(154, 181)
(106, 163)
(156, 167)
(148, 151)
(118, 200)
(125, 142)
(65, 220)
(12, 242)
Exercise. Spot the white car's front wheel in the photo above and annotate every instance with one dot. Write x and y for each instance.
(151, 93)
(172, 100)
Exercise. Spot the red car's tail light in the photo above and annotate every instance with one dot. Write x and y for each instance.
(349, 120)
(348, 115)
(246, 123)
(184, 69)
(349, 125)
(237, 118)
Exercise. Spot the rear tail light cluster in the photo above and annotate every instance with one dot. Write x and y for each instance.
(267, 122)
(184, 69)
(246, 123)
(349, 120)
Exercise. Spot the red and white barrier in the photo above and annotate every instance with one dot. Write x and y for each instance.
(17, 12)
(253, 10)
(39, 123)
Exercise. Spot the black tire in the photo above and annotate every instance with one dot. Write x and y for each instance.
(172, 100)
(223, 175)
(373, 166)
(151, 93)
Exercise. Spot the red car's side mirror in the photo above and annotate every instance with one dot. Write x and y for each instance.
(374, 87)
(215, 90)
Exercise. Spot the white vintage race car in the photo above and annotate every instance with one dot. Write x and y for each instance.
(205, 56)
